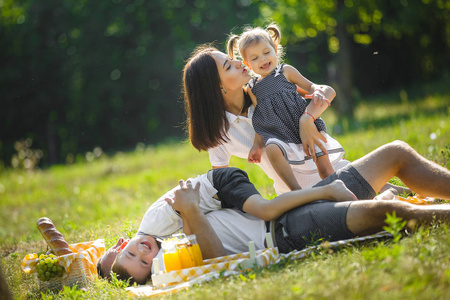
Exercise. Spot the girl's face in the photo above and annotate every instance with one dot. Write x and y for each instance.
(261, 57)
(231, 72)
(137, 256)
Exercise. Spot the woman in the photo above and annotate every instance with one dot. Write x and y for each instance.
(219, 113)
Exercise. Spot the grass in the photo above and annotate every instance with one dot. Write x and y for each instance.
(106, 197)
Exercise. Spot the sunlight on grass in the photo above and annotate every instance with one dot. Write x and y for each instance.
(107, 198)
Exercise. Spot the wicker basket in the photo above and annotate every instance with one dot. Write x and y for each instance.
(79, 274)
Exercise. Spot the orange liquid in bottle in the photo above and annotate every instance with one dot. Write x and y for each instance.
(186, 256)
(172, 261)
(198, 258)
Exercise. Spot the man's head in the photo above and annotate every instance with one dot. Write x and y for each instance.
(135, 259)
(105, 262)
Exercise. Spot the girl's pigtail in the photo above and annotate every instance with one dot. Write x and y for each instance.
(232, 46)
(274, 33)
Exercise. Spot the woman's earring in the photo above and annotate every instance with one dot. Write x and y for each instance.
(223, 90)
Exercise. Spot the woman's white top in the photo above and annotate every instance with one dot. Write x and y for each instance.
(239, 142)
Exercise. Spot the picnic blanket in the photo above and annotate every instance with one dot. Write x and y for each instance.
(80, 266)
(232, 265)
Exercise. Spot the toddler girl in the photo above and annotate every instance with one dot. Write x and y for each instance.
(278, 106)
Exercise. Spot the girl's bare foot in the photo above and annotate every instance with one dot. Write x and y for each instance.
(398, 190)
(387, 194)
(339, 192)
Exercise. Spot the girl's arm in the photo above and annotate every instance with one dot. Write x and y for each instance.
(318, 92)
(270, 210)
(308, 131)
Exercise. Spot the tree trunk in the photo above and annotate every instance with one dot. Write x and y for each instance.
(343, 73)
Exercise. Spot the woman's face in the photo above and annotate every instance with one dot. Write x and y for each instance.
(231, 72)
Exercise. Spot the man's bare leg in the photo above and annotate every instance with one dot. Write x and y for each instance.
(367, 217)
(399, 159)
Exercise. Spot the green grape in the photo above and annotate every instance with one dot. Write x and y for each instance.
(42, 256)
(48, 260)
(52, 255)
(54, 268)
(44, 267)
(41, 262)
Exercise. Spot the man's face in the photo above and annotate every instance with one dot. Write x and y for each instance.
(109, 257)
(137, 256)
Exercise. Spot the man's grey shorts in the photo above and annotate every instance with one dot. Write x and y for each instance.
(321, 220)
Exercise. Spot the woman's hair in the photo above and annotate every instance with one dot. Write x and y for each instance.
(204, 105)
(236, 45)
(123, 274)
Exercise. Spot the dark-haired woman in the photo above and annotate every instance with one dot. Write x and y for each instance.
(219, 115)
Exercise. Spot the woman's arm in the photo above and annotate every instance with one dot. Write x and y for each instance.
(254, 156)
(270, 210)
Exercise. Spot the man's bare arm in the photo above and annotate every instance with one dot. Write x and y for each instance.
(186, 202)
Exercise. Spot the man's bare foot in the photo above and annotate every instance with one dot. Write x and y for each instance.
(339, 192)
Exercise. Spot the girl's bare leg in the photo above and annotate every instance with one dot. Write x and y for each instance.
(399, 159)
(324, 166)
(282, 167)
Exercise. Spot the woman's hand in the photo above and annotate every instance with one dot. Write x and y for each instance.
(310, 136)
(254, 156)
(319, 98)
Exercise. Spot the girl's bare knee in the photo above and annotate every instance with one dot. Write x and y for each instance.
(273, 151)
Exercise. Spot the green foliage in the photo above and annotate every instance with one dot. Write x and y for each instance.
(77, 75)
(107, 197)
(395, 226)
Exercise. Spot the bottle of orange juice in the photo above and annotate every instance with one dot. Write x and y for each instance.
(198, 258)
(171, 258)
(185, 253)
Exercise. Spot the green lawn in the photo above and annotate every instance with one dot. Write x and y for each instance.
(107, 197)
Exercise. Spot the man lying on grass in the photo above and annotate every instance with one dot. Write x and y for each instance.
(317, 216)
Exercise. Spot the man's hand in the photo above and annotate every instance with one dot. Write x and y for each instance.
(186, 198)
(186, 201)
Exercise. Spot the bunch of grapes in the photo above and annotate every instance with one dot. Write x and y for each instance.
(48, 267)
